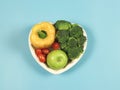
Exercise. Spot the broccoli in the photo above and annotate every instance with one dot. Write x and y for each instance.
(62, 36)
(63, 25)
(70, 37)
(72, 42)
(76, 31)
(63, 45)
(81, 40)
(74, 52)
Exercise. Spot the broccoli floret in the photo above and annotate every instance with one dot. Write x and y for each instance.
(72, 42)
(66, 48)
(63, 25)
(74, 52)
(81, 40)
(62, 36)
(76, 31)
(63, 45)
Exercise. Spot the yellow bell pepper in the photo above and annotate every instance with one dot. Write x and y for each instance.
(39, 42)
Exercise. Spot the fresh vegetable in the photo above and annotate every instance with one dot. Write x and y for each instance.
(76, 31)
(42, 35)
(45, 51)
(38, 51)
(81, 40)
(71, 41)
(42, 57)
(62, 36)
(63, 45)
(56, 45)
(63, 25)
(74, 52)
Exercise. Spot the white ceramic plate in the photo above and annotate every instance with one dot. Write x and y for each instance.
(70, 65)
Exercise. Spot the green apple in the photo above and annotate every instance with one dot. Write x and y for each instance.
(57, 59)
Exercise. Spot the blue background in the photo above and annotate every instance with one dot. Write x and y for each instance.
(99, 69)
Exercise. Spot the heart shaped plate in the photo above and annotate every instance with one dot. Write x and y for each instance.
(69, 65)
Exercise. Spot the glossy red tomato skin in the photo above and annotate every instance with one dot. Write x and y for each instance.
(38, 51)
(42, 58)
(45, 51)
(56, 45)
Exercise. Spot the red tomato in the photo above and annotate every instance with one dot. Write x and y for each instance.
(38, 51)
(42, 57)
(45, 51)
(55, 45)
